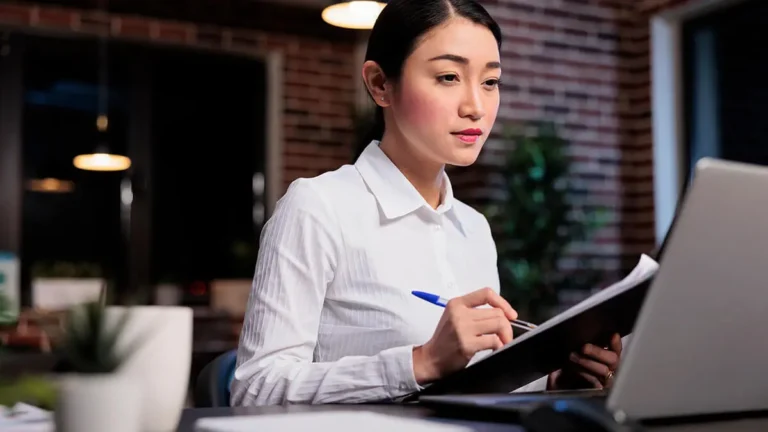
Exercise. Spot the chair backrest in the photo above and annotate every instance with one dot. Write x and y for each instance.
(212, 386)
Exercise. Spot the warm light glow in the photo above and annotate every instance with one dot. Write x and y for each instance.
(50, 185)
(360, 15)
(102, 162)
(102, 123)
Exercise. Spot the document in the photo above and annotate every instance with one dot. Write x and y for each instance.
(25, 418)
(643, 271)
(332, 420)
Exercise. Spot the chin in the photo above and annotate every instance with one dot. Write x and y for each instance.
(465, 157)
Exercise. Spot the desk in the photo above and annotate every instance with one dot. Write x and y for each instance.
(189, 417)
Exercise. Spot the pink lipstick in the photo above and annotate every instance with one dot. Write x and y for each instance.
(468, 135)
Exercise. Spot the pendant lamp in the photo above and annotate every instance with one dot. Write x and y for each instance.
(102, 159)
(50, 185)
(355, 14)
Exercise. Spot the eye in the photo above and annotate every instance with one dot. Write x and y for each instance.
(448, 78)
(492, 83)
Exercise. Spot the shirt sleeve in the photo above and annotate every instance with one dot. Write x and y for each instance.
(299, 251)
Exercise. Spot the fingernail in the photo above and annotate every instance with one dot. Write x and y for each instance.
(574, 357)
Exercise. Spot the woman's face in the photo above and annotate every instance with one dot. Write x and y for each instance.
(446, 101)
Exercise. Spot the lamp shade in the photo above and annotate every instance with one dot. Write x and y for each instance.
(356, 14)
(102, 160)
(50, 185)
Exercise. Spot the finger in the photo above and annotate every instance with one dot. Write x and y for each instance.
(554, 379)
(600, 355)
(498, 326)
(484, 342)
(479, 314)
(616, 345)
(486, 296)
(592, 380)
(591, 366)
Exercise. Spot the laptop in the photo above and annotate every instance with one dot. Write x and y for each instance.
(698, 346)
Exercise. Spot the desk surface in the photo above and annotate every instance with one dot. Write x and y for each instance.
(189, 417)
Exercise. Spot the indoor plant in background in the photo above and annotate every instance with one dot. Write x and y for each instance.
(93, 394)
(112, 353)
(62, 284)
(534, 221)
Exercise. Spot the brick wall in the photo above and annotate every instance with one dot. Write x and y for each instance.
(319, 86)
(585, 64)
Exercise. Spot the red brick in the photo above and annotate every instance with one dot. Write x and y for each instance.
(134, 27)
(15, 14)
(174, 32)
(57, 18)
(94, 21)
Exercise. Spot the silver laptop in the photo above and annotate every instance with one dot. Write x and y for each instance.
(700, 343)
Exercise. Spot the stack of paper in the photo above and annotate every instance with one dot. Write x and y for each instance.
(336, 421)
(25, 418)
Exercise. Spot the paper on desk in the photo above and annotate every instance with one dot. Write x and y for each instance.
(644, 270)
(337, 421)
(25, 418)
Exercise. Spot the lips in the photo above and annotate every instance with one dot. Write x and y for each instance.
(468, 136)
(476, 132)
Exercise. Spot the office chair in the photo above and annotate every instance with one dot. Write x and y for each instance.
(212, 386)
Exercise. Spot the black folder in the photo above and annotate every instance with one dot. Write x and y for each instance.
(541, 354)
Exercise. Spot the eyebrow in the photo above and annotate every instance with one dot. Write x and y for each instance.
(463, 60)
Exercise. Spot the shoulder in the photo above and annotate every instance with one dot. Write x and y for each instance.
(321, 194)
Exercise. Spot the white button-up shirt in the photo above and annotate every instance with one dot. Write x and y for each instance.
(331, 317)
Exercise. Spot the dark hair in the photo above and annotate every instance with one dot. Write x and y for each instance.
(400, 26)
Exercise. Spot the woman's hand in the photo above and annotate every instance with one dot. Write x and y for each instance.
(464, 330)
(592, 367)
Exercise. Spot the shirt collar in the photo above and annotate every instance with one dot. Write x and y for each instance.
(395, 194)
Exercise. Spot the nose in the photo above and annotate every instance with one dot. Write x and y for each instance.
(472, 104)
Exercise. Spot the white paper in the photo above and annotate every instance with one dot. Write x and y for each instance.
(644, 270)
(25, 418)
(336, 421)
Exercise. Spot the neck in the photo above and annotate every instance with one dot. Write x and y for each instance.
(426, 176)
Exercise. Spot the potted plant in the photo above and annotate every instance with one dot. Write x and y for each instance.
(7, 312)
(93, 394)
(62, 284)
(535, 221)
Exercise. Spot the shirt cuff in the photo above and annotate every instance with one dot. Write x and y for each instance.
(397, 370)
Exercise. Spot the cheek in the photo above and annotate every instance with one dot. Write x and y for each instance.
(422, 109)
(492, 108)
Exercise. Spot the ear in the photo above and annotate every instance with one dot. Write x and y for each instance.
(376, 83)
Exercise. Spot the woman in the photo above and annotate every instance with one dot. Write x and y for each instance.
(331, 317)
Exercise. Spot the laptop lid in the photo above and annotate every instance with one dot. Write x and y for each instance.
(698, 344)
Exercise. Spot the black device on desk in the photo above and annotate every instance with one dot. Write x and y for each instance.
(557, 411)
(692, 351)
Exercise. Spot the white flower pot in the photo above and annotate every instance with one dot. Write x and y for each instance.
(98, 403)
(161, 361)
(63, 293)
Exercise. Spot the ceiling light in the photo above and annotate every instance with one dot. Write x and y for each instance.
(102, 159)
(357, 14)
(50, 185)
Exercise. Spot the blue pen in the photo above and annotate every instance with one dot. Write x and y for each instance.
(442, 302)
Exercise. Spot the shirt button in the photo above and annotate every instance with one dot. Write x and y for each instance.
(437, 227)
